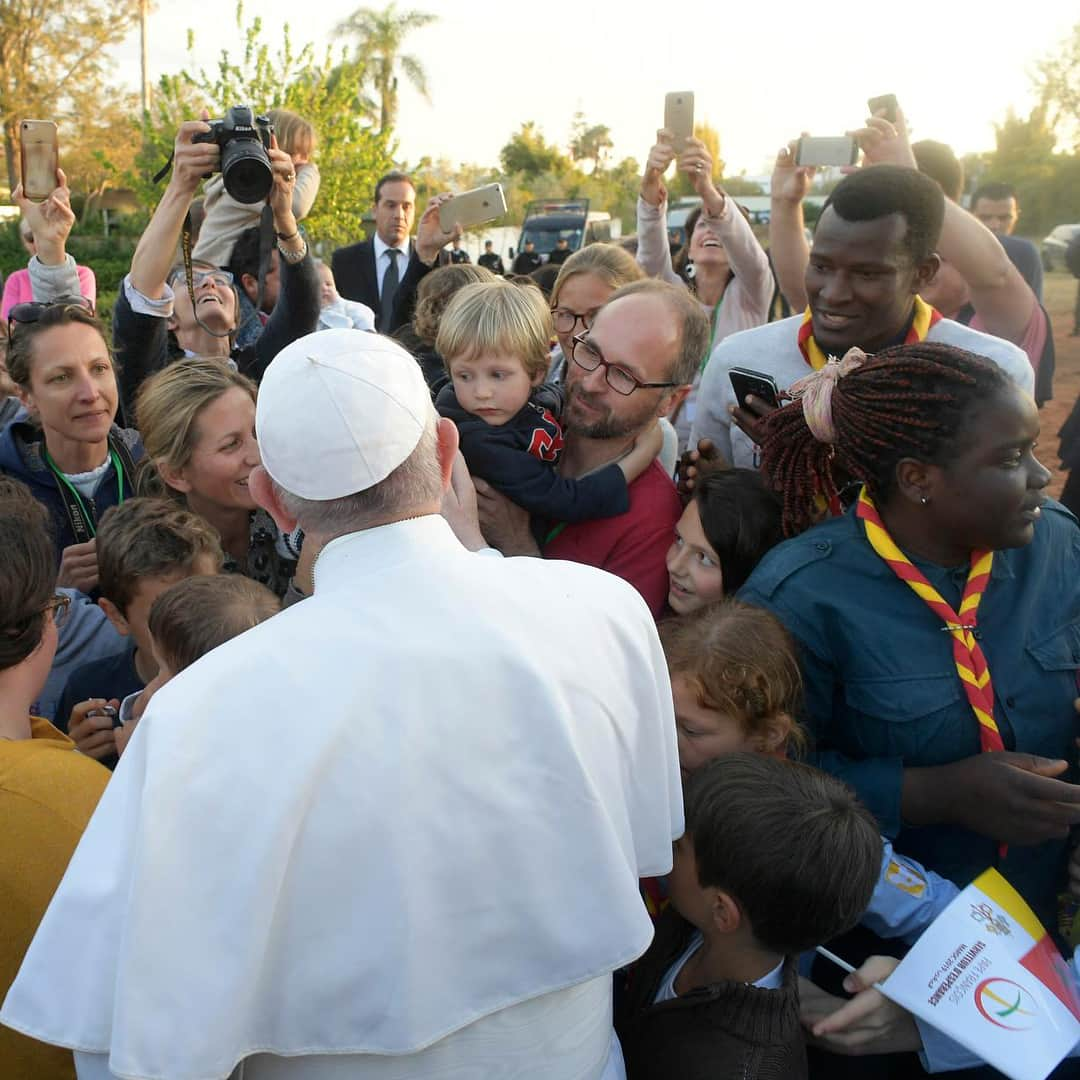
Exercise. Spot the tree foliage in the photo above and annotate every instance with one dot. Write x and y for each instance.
(54, 62)
(324, 88)
(1058, 80)
(379, 37)
(590, 142)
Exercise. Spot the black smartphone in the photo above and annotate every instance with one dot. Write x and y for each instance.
(107, 710)
(886, 102)
(745, 382)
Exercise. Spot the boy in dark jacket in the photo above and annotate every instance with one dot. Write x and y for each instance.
(495, 339)
(776, 857)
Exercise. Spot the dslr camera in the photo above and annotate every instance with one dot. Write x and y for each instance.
(245, 165)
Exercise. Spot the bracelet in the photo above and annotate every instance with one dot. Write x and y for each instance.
(293, 257)
(291, 236)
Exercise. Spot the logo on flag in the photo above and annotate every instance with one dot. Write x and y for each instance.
(1006, 1004)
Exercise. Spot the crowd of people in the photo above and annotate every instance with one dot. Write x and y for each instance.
(411, 669)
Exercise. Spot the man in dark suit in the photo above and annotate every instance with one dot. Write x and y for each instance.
(384, 272)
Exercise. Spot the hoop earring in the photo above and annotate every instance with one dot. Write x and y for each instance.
(690, 269)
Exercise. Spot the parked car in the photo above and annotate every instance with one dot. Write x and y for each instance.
(1053, 247)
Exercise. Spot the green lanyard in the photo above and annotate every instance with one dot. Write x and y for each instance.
(82, 523)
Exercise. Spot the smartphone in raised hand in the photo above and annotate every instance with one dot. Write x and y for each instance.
(885, 104)
(38, 158)
(679, 118)
(823, 152)
(474, 207)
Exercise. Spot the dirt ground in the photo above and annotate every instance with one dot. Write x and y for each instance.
(1059, 298)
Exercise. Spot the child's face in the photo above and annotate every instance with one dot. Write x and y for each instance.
(135, 621)
(705, 734)
(694, 575)
(492, 387)
(688, 897)
(327, 290)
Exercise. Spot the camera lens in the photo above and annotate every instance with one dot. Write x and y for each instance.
(245, 170)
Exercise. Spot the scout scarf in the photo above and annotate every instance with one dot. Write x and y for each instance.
(967, 654)
(925, 318)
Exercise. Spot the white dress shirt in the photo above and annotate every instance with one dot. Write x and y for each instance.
(382, 262)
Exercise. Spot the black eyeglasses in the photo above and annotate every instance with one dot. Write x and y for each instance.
(588, 356)
(33, 310)
(566, 320)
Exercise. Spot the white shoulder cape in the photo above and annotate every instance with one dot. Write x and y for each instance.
(422, 795)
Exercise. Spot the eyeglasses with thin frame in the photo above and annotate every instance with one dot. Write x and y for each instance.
(58, 606)
(566, 320)
(588, 357)
(222, 278)
(32, 310)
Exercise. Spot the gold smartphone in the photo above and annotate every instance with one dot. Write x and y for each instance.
(474, 207)
(679, 117)
(39, 158)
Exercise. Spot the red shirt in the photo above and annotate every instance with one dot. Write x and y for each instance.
(633, 545)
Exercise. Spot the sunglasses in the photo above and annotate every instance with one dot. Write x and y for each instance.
(34, 310)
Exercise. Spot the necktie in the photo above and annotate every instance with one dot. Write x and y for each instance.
(389, 291)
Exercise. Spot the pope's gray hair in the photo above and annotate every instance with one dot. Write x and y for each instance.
(412, 486)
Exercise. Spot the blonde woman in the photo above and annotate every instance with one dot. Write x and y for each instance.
(197, 419)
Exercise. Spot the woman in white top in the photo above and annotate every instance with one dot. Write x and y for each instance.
(727, 268)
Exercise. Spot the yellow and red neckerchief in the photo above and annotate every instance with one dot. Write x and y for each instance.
(967, 653)
(925, 318)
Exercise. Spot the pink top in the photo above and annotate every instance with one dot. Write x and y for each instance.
(1033, 339)
(17, 288)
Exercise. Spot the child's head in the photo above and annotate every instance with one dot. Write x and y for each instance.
(200, 613)
(736, 683)
(436, 290)
(196, 615)
(495, 340)
(725, 530)
(328, 293)
(295, 135)
(775, 849)
(144, 546)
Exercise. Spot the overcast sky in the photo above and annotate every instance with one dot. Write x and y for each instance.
(761, 72)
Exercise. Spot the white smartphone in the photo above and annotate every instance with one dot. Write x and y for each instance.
(474, 207)
(832, 151)
(39, 158)
(679, 117)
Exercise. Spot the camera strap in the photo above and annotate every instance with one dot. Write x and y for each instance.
(83, 526)
(266, 245)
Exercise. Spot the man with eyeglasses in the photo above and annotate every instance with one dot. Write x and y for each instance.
(156, 297)
(632, 365)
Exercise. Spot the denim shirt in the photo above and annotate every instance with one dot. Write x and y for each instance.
(882, 691)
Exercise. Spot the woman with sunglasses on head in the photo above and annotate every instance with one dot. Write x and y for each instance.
(47, 790)
(68, 450)
(721, 262)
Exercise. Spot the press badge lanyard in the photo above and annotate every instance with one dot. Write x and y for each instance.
(82, 523)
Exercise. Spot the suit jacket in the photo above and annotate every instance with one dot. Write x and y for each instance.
(353, 268)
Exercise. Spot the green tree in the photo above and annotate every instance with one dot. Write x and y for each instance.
(380, 36)
(530, 154)
(322, 88)
(590, 142)
(54, 62)
(1058, 80)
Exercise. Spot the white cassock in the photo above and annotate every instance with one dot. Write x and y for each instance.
(404, 817)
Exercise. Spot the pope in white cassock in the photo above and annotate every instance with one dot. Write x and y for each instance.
(395, 831)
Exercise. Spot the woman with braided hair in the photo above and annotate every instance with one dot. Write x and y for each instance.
(939, 618)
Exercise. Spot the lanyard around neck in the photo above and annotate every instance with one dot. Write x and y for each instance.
(82, 521)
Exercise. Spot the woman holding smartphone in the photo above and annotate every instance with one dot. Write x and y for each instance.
(722, 260)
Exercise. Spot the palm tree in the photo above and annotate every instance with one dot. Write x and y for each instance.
(379, 36)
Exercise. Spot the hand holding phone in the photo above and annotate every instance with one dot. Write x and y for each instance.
(747, 383)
